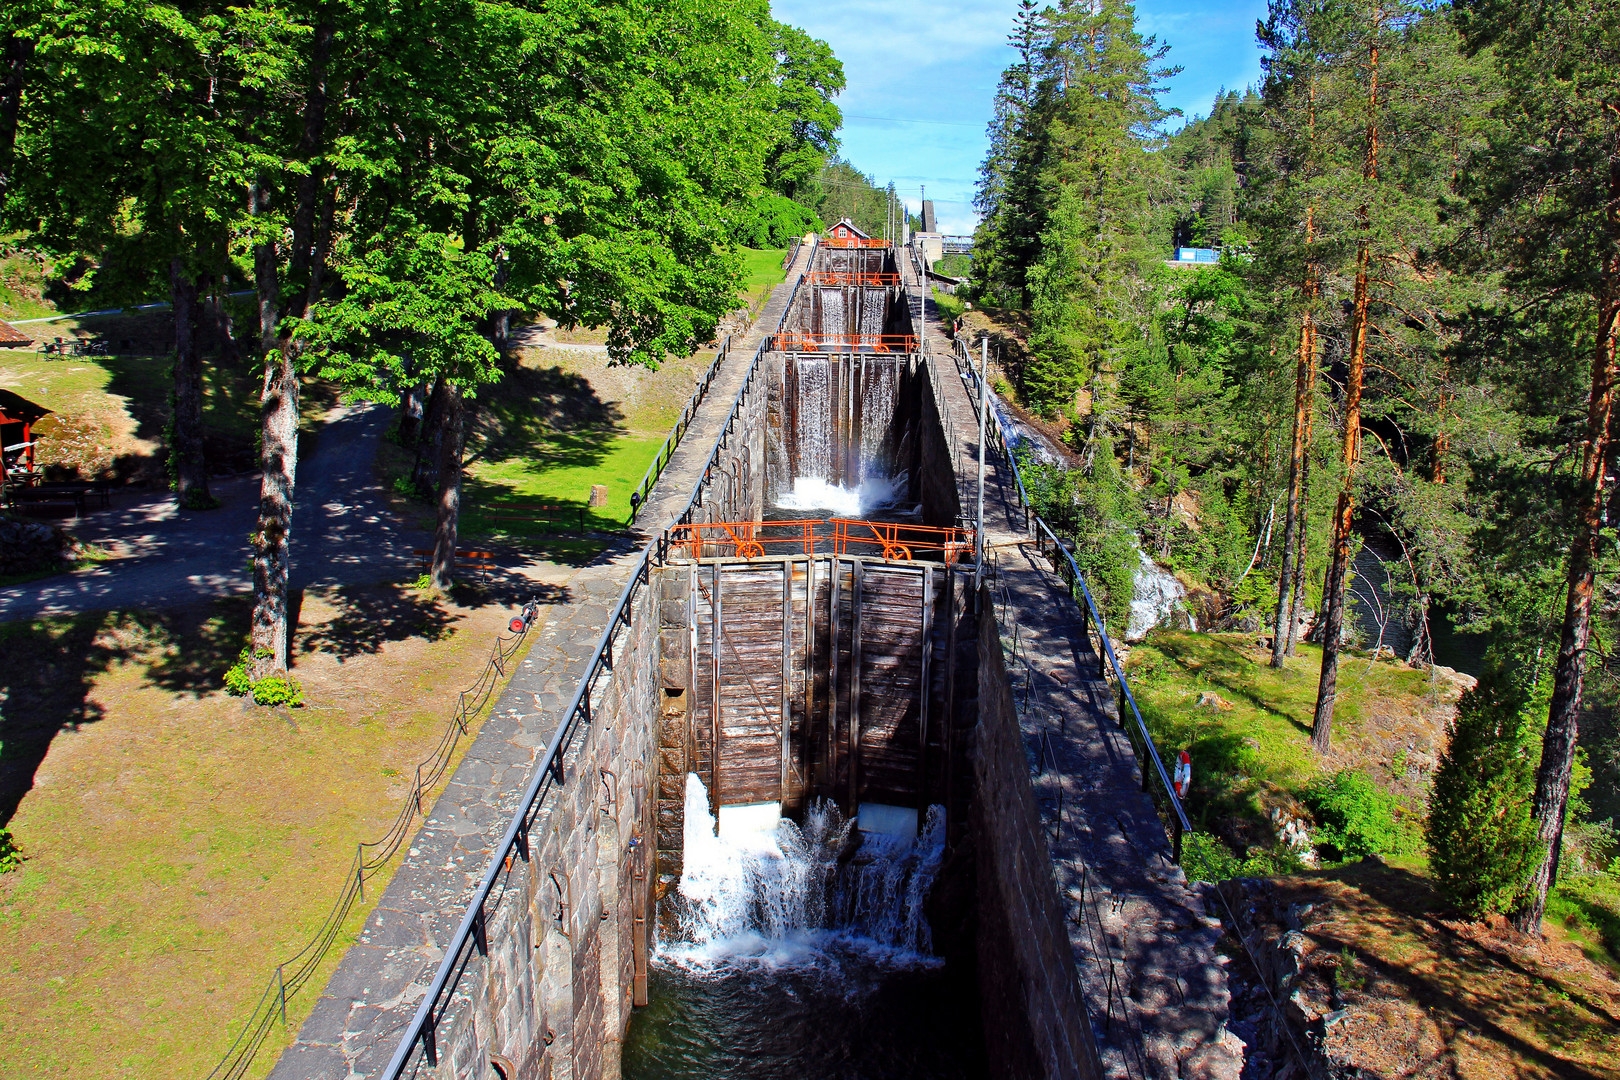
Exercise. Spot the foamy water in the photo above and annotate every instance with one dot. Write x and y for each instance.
(813, 493)
(801, 896)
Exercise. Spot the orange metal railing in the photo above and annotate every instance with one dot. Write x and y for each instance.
(801, 341)
(853, 242)
(743, 539)
(849, 278)
(893, 541)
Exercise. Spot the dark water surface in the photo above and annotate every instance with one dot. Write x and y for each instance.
(850, 1015)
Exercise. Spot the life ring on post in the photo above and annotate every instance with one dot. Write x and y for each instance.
(1183, 782)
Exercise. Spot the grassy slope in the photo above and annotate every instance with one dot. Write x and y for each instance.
(1255, 752)
(762, 269)
(179, 843)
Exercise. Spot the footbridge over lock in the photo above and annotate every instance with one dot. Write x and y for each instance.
(811, 626)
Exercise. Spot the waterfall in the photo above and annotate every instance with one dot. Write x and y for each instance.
(789, 894)
(817, 426)
(1155, 596)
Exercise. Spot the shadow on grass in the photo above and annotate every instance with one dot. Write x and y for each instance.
(51, 666)
(1220, 665)
(548, 415)
(1462, 957)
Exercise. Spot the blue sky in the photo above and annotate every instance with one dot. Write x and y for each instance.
(921, 78)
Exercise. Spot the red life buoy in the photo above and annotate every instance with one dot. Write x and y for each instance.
(1183, 774)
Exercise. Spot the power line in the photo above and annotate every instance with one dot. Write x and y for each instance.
(903, 120)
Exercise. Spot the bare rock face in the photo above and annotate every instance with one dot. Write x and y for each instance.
(27, 546)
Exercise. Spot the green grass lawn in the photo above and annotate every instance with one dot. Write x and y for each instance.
(1251, 748)
(558, 471)
(179, 845)
(761, 271)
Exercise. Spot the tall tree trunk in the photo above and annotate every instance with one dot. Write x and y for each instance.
(15, 53)
(1298, 607)
(278, 459)
(450, 440)
(425, 470)
(272, 561)
(1558, 744)
(189, 465)
(1327, 687)
(1296, 458)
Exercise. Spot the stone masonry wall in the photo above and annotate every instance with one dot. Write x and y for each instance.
(1034, 1020)
(552, 998)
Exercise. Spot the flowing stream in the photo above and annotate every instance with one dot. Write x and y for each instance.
(802, 951)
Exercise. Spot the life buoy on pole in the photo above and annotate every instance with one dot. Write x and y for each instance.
(1183, 774)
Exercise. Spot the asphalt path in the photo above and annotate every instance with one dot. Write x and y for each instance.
(165, 557)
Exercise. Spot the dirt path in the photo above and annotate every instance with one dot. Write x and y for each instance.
(164, 557)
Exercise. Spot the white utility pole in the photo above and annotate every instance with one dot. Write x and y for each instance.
(984, 406)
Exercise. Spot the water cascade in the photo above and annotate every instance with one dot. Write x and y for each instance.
(1156, 596)
(802, 950)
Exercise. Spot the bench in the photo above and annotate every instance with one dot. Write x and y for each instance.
(482, 561)
(37, 498)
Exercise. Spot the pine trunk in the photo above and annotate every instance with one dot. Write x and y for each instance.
(444, 537)
(1327, 687)
(1296, 465)
(1558, 744)
(1304, 515)
(190, 466)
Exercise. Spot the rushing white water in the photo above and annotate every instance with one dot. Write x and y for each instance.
(836, 500)
(787, 895)
(1155, 596)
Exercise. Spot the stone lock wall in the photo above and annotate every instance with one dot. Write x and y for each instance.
(1034, 1017)
(567, 929)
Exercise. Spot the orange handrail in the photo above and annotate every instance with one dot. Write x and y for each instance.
(801, 341)
(893, 541)
(853, 242)
(901, 541)
(743, 537)
(838, 277)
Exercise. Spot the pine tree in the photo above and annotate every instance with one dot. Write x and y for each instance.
(1550, 192)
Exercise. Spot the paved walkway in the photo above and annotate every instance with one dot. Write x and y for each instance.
(361, 1015)
(1143, 943)
(343, 534)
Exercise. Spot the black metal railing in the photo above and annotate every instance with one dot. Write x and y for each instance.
(420, 1039)
(672, 441)
(1069, 570)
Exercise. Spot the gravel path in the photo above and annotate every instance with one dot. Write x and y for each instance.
(343, 534)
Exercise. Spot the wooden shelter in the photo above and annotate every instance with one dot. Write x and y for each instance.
(18, 416)
(13, 338)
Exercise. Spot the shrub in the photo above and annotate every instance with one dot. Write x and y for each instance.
(1356, 818)
(271, 690)
(1206, 858)
(10, 854)
(1482, 838)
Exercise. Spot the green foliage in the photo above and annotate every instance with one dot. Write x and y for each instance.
(773, 221)
(10, 854)
(950, 307)
(1205, 858)
(1482, 839)
(271, 690)
(1095, 512)
(1356, 818)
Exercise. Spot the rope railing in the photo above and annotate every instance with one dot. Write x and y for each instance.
(370, 858)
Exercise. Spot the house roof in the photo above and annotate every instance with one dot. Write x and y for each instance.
(10, 335)
(15, 407)
(851, 226)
